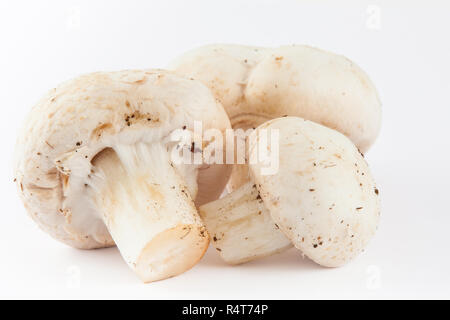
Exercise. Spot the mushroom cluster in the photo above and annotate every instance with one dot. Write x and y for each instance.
(94, 162)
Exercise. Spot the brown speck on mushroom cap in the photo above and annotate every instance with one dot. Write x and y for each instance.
(46, 142)
(362, 155)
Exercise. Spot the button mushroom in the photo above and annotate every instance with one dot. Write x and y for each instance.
(94, 167)
(257, 84)
(322, 199)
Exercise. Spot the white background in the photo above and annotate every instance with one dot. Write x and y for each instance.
(403, 45)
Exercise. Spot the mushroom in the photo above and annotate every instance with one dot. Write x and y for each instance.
(322, 199)
(258, 84)
(94, 167)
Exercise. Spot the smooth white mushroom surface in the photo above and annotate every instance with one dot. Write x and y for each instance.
(257, 84)
(93, 167)
(322, 199)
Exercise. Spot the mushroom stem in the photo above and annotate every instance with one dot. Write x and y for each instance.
(148, 210)
(241, 227)
(240, 172)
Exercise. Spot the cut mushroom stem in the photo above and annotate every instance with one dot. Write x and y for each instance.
(241, 227)
(148, 210)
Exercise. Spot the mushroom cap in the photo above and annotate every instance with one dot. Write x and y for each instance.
(257, 84)
(323, 197)
(81, 117)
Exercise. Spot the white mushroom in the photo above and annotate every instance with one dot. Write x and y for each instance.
(257, 84)
(93, 167)
(322, 199)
